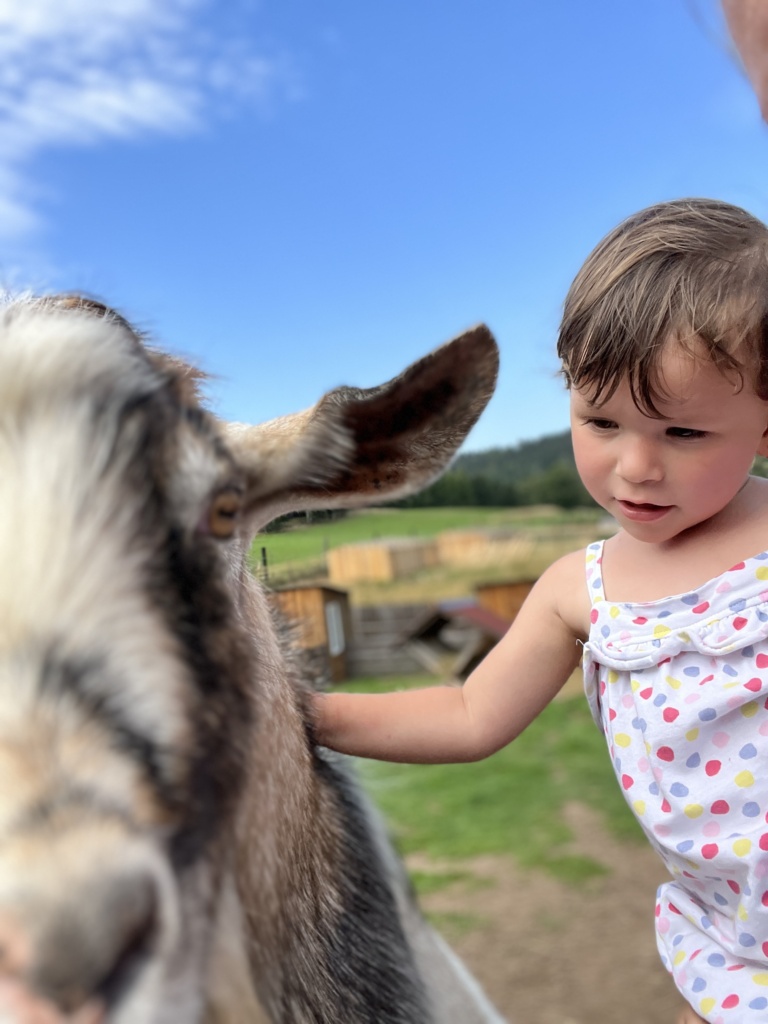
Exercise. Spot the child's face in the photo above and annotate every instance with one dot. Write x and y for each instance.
(658, 477)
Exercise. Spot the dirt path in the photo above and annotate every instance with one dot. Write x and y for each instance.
(548, 953)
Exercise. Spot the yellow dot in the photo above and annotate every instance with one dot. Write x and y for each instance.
(635, 685)
(694, 810)
(692, 734)
(679, 957)
(674, 683)
(614, 612)
(745, 779)
(685, 638)
(761, 978)
(707, 1004)
(660, 631)
(762, 573)
(613, 675)
(639, 806)
(750, 710)
(742, 847)
(622, 739)
(743, 915)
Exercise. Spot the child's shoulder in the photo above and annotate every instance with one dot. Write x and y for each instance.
(564, 586)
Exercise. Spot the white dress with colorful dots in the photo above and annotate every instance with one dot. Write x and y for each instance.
(680, 688)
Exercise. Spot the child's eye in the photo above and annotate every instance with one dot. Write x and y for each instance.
(686, 433)
(599, 424)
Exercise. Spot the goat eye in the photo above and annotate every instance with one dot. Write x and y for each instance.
(224, 513)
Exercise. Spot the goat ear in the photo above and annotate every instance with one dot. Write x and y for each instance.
(366, 446)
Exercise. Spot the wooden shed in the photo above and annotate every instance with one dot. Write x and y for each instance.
(504, 599)
(322, 622)
(455, 636)
(380, 560)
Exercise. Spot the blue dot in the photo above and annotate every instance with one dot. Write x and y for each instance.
(678, 789)
(748, 652)
(699, 985)
(685, 846)
(606, 631)
(654, 788)
(692, 670)
(677, 940)
(758, 1004)
(705, 922)
(745, 939)
(720, 900)
(659, 700)
(639, 723)
(716, 960)
(738, 605)
(730, 670)
(747, 751)
(708, 714)
(694, 761)
(751, 809)
(664, 614)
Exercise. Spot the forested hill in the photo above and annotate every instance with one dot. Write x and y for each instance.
(531, 473)
(519, 463)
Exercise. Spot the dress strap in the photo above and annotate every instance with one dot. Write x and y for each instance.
(594, 571)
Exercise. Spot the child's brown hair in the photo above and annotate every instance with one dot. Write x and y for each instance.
(693, 270)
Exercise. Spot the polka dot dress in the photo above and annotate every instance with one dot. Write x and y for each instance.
(680, 688)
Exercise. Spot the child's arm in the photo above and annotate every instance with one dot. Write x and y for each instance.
(515, 681)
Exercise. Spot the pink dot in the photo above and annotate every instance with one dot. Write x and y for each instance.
(665, 806)
(730, 1001)
(627, 781)
(701, 608)
(640, 620)
(764, 841)
(762, 661)
(593, 615)
(646, 693)
(734, 886)
(754, 685)
(720, 807)
(670, 714)
(674, 909)
(721, 739)
(709, 850)
(712, 767)
(711, 829)
(740, 622)
(765, 899)
(666, 753)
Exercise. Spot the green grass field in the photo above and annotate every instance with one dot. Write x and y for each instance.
(510, 803)
(305, 543)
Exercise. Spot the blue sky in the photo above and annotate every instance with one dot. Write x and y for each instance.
(303, 193)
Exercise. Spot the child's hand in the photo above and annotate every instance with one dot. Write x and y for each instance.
(19, 1006)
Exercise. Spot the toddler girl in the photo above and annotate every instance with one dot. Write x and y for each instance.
(664, 348)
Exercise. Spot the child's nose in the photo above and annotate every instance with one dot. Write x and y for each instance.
(639, 461)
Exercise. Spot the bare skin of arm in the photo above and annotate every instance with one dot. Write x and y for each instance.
(512, 685)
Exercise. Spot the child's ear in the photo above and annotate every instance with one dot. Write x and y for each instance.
(762, 448)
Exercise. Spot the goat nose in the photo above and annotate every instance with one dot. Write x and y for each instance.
(84, 949)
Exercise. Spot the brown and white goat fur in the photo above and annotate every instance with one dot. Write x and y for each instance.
(174, 849)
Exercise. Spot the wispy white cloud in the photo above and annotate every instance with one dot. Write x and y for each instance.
(77, 72)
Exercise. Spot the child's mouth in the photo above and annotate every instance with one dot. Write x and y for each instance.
(643, 511)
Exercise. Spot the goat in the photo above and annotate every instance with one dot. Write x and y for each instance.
(174, 847)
